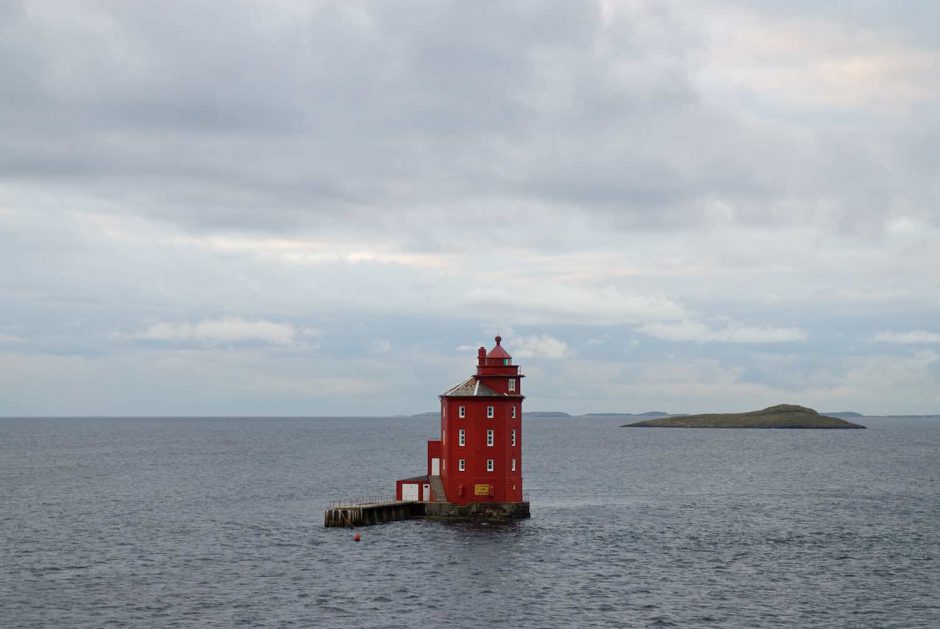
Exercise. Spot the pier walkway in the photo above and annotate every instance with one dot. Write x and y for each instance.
(371, 511)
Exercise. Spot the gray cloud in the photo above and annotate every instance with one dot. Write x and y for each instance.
(265, 120)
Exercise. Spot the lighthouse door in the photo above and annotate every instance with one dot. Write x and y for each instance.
(426, 494)
(435, 467)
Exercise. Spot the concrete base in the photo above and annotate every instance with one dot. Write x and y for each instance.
(477, 511)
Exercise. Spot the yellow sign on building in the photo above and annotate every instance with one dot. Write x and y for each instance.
(481, 490)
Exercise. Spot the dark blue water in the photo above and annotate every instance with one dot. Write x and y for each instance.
(218, 522)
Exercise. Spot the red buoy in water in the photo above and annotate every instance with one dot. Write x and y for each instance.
(357, 537)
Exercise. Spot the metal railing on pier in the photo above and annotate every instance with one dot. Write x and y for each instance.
(361, 501)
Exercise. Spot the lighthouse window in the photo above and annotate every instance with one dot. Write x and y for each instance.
(513, 465)
(489, 465)
(513, 412)
(513, 437)
(512, 384)
(461, 411)
(461, 464)
(489, 412)
(462, 438)
(489, 437)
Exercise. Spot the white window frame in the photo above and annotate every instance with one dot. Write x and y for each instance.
(490, 438)
(461, 437)
(513, 412)
(461, 465)
(490, 412)
(461, 411)
(512, 384)
(513, 436)
(513, 467)
(489, 465)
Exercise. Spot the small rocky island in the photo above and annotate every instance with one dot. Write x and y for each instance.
(780, 416)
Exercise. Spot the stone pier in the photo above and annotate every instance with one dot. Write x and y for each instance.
(365, 514)
(368, 513)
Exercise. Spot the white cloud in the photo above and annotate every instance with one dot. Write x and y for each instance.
(225, 330)
(888, 384)
(532, 299)
(381, 346)
(7, 338)
(701, 333)
(280, 384)
(539, 346)
(914, 337)
(813, 61)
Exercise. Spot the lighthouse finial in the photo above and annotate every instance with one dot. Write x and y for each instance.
(498, 339)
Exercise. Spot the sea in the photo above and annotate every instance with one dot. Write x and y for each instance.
(218, 522)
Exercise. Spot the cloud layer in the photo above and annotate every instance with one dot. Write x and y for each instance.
(675, 206)
(225, 331)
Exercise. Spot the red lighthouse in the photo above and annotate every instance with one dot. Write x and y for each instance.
(475, 468)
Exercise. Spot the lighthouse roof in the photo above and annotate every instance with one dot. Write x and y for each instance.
(498, 351)
(470, 388)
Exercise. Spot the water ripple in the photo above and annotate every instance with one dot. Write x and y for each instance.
(218, 523)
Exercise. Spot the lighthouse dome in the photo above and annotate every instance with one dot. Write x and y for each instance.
(498, 351)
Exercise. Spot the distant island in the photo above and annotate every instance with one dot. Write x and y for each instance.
(780, 416)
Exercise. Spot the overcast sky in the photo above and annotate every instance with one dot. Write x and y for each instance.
(323, 208)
